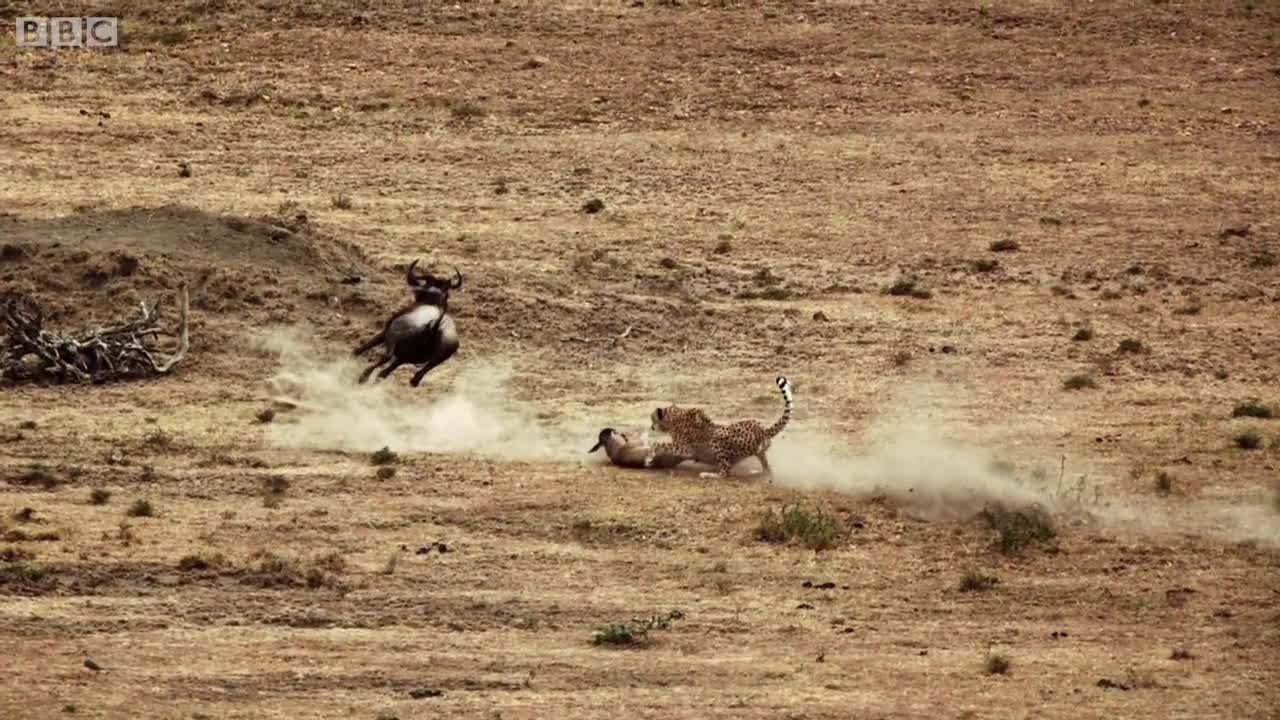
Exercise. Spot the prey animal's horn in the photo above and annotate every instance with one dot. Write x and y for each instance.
(409, 276)
(604, 437)
(457, 283)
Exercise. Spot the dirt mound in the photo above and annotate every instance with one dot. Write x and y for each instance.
(84, 266)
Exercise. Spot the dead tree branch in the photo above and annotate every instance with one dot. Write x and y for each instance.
(122, 350)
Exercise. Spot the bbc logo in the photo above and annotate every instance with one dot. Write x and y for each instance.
(68, 32)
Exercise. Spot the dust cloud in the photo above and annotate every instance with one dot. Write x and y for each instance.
(473, 414)
(904, 456)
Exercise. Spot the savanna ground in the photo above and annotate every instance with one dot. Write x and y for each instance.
(767, 171)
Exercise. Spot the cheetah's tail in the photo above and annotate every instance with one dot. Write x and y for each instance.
(777, 427)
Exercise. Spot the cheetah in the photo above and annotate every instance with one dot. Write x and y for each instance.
(695, 435)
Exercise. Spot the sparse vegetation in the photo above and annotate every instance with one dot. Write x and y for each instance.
(384, 457)
(909, 287)
(997, 664)
(985, 265)
(192, 563)
(1018, 528)
(1004, 245)
(386, 472)
(900, 359)
(275, 485)
(1079, 382)
(975, 581)
(1083, 334)
(1129, 345)
(1164, 483)
(140, 508)
(1248, 440)
(815, 529)
(99, 496)
(1253, 409)
(266, 415)
(636, 631)
(342, 201)
(1181, 653)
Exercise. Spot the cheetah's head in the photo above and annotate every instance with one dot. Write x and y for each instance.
(666, 419)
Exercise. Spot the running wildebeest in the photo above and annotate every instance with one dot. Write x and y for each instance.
(420, 333)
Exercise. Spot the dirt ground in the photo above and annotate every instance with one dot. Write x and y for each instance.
(768, 171)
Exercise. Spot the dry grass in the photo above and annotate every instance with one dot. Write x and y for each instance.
(841, 147)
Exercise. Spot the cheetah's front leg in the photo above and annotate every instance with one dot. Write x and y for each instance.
(665, 448)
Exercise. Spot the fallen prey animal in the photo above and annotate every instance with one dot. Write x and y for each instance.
(625, 452)
(420, 333)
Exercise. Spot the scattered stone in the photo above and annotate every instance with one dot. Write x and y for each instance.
(820, 316)
(421, 693)
(1236, 231)
(535, 61)
(184, 170)
(593, 206)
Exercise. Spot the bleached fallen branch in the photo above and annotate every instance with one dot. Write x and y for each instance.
(111, 352)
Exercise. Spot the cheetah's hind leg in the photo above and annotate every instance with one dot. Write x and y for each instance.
(723, 466)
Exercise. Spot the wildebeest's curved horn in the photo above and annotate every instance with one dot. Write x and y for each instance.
(457, 283)
(409, 277)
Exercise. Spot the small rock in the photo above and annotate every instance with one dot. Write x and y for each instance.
(184, 170)
(1235, 231)
(420, 693)
(668, 263)
(592, 206)
(535, 61)
(820, 316)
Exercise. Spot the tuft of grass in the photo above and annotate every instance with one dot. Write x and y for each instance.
(985, 265)
(465, 111)
(393, 561)
(1018, 528)
(342, 201)
(724, 246)
(1084, 334)
(636, 631)
(275, 485)
(271, 502)
(1254, 409)
(900, 359)
(99, 496)
(997, 664)
(1079, 382)
(384, 457)
(140, 508)
(1006, 245)
(1129, 345)
(1248, 440)
(190, 563)
(1181, 653)
(1111, 294)
(593, 206)
(386, 472)
(975, 581)
(816, 529)
(266, 415)
(909, 287)
(1164, 483)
